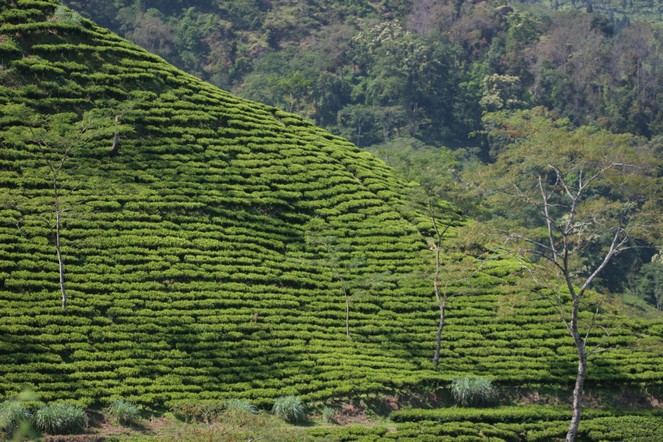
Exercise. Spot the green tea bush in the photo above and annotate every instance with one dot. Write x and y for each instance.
(469, 391)
(125, 412)
(59, 418)
(289, 408)
(12, 414)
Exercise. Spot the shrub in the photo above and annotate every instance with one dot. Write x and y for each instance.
(12, 414)
(62, 14)
(328, 415)
(125, 412)
(469, 391)
(198, 411)
(290, 409)
(59, 418)
(240, 404)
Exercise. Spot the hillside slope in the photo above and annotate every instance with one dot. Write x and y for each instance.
(185, 252)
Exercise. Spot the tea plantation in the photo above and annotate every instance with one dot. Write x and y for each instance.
(184, 236)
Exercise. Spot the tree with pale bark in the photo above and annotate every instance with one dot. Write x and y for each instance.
(56, 140)
(345, 268)
(569, 200)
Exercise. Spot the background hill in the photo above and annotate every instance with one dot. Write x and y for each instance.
(214, 247)
(425, 73)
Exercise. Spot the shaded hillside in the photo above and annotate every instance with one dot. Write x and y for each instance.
(187, 250)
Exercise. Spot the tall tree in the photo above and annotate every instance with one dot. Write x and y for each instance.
(442, 218)
(57, 139)
(572, 200)
(337, 258)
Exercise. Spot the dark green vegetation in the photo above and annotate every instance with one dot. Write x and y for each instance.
(185, 221)
(377, 70)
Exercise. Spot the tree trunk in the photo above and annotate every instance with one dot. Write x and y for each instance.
(440, 327)
(578, 390)
(59, 252)
(348, 300)
(347, 318)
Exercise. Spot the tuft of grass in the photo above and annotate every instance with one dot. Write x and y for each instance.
(328, 415)
(290, 408)
(12, 415)
(59, 418)
(473, 391)
(126, 412)
(240, 404)
(198, 411)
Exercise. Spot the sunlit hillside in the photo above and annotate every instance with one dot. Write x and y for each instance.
(211, 247)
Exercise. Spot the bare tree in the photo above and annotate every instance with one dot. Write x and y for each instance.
(572, 201)
(56, 168)
(440, 227)
(58, 137)
(335, 256)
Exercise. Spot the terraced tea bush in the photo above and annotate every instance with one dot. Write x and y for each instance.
(125, 412)
(240, 404)
(470, 391)
(290, 408)
(12, 415)
(59, 418)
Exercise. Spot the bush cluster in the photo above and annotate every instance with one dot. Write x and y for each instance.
(127, 413)
(290, 408)
(12, 415)
(471, 391)
(240, 405)
(59, 418)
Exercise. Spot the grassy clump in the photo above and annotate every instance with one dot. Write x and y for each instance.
(198, 411)
(471, 391)
(59, 418)
(290, 408)
(328, 415)
(240, 405)
(127, 413)
(12, 415)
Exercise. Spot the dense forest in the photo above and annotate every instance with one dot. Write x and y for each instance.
(412, 80)
(429, 69)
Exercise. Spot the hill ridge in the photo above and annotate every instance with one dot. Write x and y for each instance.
(186, 255)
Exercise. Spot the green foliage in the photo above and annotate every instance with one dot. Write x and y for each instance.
(414, 68)
(59, 418)
(238, 425)
(13, 414)
(634, 428)
(533, 423)
(648, 283)
(62, 14)
(290, 408)
(240, 404)
(328, 415)
(198, 411)
(187, 263)
(472, 391)
(126, 412)
(544, 154)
